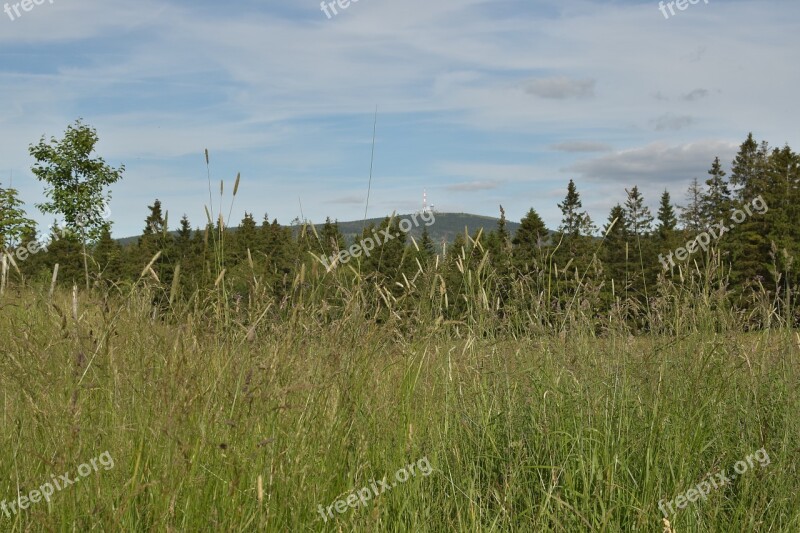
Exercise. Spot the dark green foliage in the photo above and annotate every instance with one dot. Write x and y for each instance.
(156, 238)
(574, 222)
(616, 251)
(638, 220)
(530, 243)
(109, 257)
(508, 266)
(426, 247)
(692, 214)
(13, 222)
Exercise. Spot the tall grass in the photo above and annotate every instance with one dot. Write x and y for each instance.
(228, 414)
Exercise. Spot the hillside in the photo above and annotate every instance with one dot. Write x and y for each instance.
(445, 227)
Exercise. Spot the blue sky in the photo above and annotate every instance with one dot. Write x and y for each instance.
(480, 102)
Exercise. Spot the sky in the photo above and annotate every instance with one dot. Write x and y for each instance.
(481, 103)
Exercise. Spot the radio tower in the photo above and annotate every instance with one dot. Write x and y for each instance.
(425, 207)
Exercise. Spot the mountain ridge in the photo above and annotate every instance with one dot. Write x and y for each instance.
(444, 228)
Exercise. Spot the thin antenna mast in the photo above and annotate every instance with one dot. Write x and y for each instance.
(371, 161)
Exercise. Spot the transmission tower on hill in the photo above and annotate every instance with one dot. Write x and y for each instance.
(425, 207)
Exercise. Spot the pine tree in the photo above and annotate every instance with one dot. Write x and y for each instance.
(572, 245)
(667, 221)
(692, 215)
(183, 241)
(616, 250)
(716, 200)
(246, 238)
(638, 223)
(188, 252)
(529, 243)
(783, 216)
(638, 220)
(390, 258)
(156, 238)
(64, 247)
(332, 239)
(108, 257)
(574, 223)
(751, 239)
(284, 257)
(426, 248)
(667, 236)
(502, 231)
(498, 244)
(456, 262)
(33, 266)
(747, 168)
(573, 236)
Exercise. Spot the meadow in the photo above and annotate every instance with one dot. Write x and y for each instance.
(223, 415)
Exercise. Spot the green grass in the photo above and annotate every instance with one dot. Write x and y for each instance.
(570, 432)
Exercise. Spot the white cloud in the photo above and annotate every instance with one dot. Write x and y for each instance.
(672, 122)
(473, 186)
(561, 88)
(581, 146)
(657, 163)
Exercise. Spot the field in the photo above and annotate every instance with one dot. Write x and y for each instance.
(370, 266)
(216, 427)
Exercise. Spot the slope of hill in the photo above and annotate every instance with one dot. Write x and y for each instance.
(445, 227)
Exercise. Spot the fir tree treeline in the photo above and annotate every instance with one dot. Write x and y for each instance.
(619, 266)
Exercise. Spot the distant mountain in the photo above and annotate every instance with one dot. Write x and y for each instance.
(445, 227)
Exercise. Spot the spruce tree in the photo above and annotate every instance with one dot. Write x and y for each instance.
(498, 244)
(716, 199)
(108, 257)
(666, 236)
(574, 222)
(33, 266)
(246, 238)
(390, 259)
(156, 238)
(783, 216)
(529, 243)
(573, 235)
(692, 215)
(64, 247)
(183, 240)
(615, 252)
(426, 248)
(747, 168)
(638, 223)
(332, 239)
(638, 220)
(667, 221)
(572, 244)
